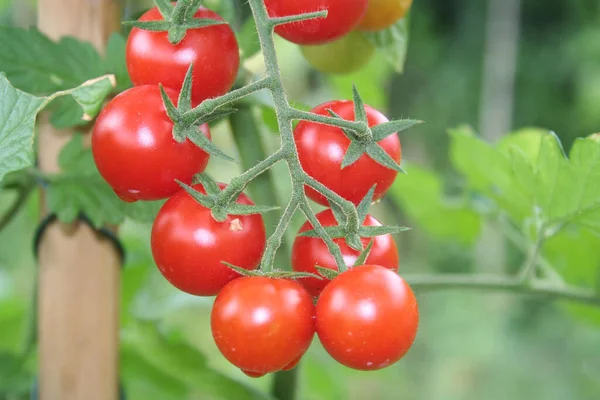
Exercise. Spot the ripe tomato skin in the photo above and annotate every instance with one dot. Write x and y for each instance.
(343, 16)
(383, 13)
(321, 149)
(188, 245)
(343, 56)
(262, 325)
(367, 318)
(152, 59)
(308, 251)
(134, 148)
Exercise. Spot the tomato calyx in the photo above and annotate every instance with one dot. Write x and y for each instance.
(353, 238)
(219, 207)
(365, 140)
(275, 274)
(177, 19)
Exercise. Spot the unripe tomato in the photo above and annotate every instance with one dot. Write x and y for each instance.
(382, 14)
(263, 325)
(308, 251)
(188, 245)
(342, 56)
(134, 148)
(152, 59)
(367, 318)
(342, 17)
(321, 149)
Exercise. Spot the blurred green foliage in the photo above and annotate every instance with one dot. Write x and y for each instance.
(475, 345)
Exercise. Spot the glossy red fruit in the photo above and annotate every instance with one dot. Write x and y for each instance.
(189, 246)
(308, 252)
(367, 318)
(343, 16)
(134, 149)
(321, 149)
(152, 59)
(262, 325)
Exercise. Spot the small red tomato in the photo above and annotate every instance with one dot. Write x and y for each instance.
(152, 59)
(367, 318)
(134, 148)
(262, 325)
(308, 251)
(188, 245)
(342, 17)
(321, 149)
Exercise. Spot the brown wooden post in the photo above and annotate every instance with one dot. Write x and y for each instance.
(79, 269)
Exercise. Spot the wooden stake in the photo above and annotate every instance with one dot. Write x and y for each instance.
(79, 269)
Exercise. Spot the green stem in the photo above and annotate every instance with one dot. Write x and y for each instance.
(16, 206)
(284, 385)
(491, 282)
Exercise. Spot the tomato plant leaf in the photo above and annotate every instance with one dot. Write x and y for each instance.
(18, 111)
(392, 43)
(360, 260)
(420, 195)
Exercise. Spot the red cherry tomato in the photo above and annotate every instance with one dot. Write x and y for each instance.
(134, 149)
(321, 149)
(262, 325)
(367, 318)
(152, 59)
(308, 251)
(188, 245)
(343, 16)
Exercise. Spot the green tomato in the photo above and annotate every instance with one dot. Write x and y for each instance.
(343, 56)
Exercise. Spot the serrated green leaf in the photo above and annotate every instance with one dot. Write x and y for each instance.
(372, 231)
(247, 209)
(384, 130)
(420, 195)
(392, 43)
(353, 154)
(18, 111)
(248, 39)
(201, 198)
(379, 155)
(334, 232)
(196, 136)
(362, 257)
(90, 95)
(326, 272)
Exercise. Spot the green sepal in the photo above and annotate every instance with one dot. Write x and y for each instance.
(194, 134)
(326, 272)
(246, 209)
(379, 155)
(211, 187)
(204, 200)
(354, 152)
(364, 255)
(386, 129)
(363, 207)
(373, 231)
(153, 26)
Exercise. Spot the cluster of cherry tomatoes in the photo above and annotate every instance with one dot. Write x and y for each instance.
(367, 317)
